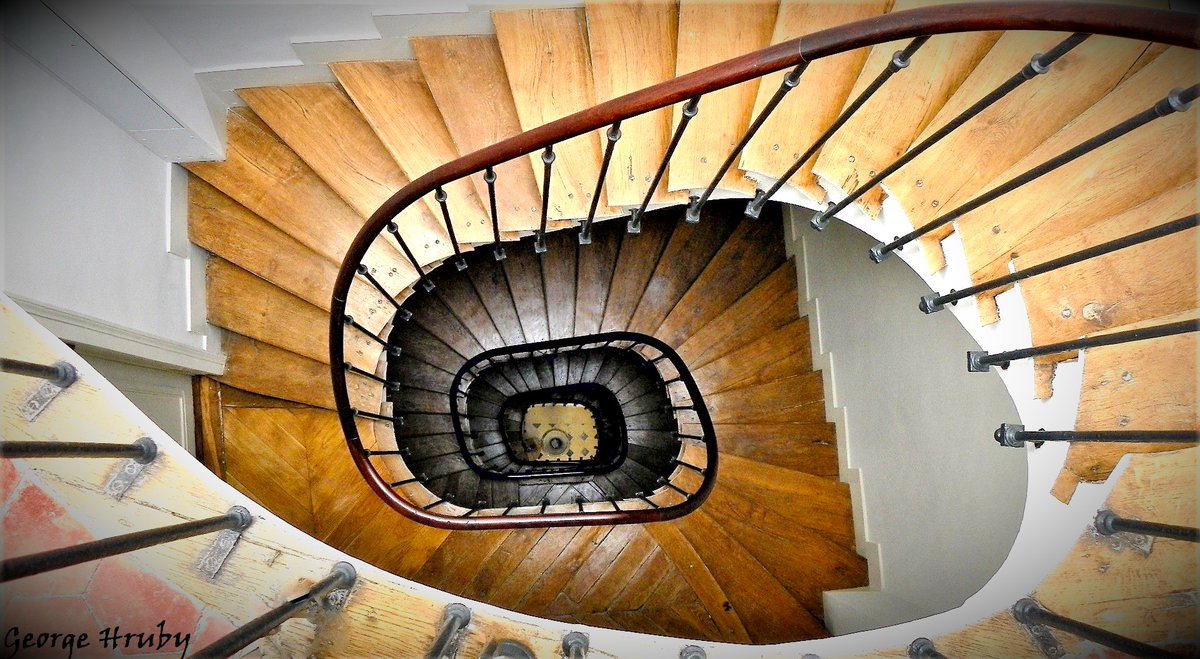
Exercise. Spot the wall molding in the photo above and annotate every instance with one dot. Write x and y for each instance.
(124, 343)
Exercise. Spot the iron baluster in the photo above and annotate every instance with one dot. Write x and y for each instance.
(790, 81)
(539, 244)
(1179, 100)
(455, 618)
(1039, 64)
(59, 374)
(367, 374)
(1028, 612)
(922, 648)
(425, 282)
(934, 302)
(489, 177)
(900, 60)
(979, 361)
(144, 450)
(400, 311)
(1014, 435)
(376, 417)
(439, 195)
(690, 110)
(612, 135)
(392, 350)
(575, 645)
(1108, 523)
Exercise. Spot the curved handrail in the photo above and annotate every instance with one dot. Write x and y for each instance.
(1166, 27)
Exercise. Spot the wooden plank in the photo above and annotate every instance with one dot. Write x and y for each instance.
(264, 175)
(785, 352)
(323, 126)
(689, 563)
(413, 132)
(532, 566)
(491, 284)
(620, 572)
(596, 264)
(710, 33)
(547, 587)
(810, 502)
(815, 103)
(267, 453)
(558, 278)
(769, 306)
(636, 262)
(957, 168)
(550, 73)
(796, 398)
(242, 303)
(210, 439)
(806, 447)
(461, 73)
(1095, 187)
(752, 251)
(525, 281)
(642, 582)
(632, 47)
(265, 369)
(458, 295)
(501, 563)
(433, 316)
(458, 559)
(890, 122)
(1152, 280)
(691, 248)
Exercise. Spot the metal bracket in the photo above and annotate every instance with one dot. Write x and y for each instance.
(821, 220)
(877, 254)
(1042, 638)
(974, 363)
(213, 558)
(37, 401)
(929, 303)
(499, 253)
(634, 225)
(754, 208)
(1006, 435)
(692, 216)
(1118, 541)
(123, 478)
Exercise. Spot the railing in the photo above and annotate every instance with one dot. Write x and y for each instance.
(918, 25)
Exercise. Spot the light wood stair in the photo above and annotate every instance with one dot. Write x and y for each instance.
(307, 164)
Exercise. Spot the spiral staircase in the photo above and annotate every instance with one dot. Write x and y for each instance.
(625, 219)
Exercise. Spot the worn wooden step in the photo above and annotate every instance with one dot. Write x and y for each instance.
(396, 101)
(550, 73)
(710, 33)
(261, 173)
(265, 369)
(957, 168)
(819, 504)
(767, 307)
(897, 113)
(435, 318)
(491, 285)
(558, 279)
(595, 276)
(632, 47)
(524, 274)
(1093, 188)
(815, 103)
(458, 295)
(778, 354)
(796, 398)
(322, 125)
(636, 262)
(808, 447)
(752, 251)
(464, 74)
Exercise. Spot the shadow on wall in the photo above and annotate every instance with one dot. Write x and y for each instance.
(938, 497)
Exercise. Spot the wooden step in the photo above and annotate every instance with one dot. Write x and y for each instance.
(397, 103)
(491, 284)
(796, 398)
(323, 126)
(1072, 199)
(632, 47)
(752, 251)
(264, 175)
(710, 33)
(782, 353)
(809, 447)
(595, 274)
(517, 583)
(436, 319)
(692, 567)
(524, 274)
(460, 554)
(558, 279)
(815, 103)
(265, 369)
(464, 74)
(458, 295)
(767, 307)
(242, 303)
(889, 123)
(550, 73)
(810, 502)
(635, 265)
(957, 168)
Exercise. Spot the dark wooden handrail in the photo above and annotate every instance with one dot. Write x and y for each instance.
(1166, 27)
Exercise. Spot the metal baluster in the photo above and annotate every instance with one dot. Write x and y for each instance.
(367, 374)
(790, 81)
(539, 244)
(440, 196)
(690, 110)
(922, 648)
(1108, 523)
(1028, 612)
(455, 618)
(613, 134)
(1179, 100)
(1014, 435)
(979, 361)
(401, 312)
(900, 60)
(575, 645)
(934, 302)
(144, 450)
(377, 417)
(24, 566)
(1038, 65)
(489, 177)
(342, 577)
(392, 350)
(59, 374)
(425, 282)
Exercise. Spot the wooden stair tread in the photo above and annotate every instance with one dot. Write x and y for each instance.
(595, 274)
(462, 553)
(796, 398)
(520, 580)
(809, 447)
(991, 142)
(529, 295)
(265, 369)
(811, 502)
(264, 175)
(709, 33)
(636, 260)
(815, 103)
(396, 102)
(632, 47)
(439, 321)
(767, 307)
(502, 562)
(751, 252)
(784, 352)
(897, 113)
(1068, 200)
(491, 285)
(551, 581)
(550, 73)
(461, 72)
(558, 278)
(458, 295)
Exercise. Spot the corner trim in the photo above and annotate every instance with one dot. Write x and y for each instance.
(135, 345)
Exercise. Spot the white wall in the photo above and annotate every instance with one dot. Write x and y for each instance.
(938, 499)
(87, 216)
